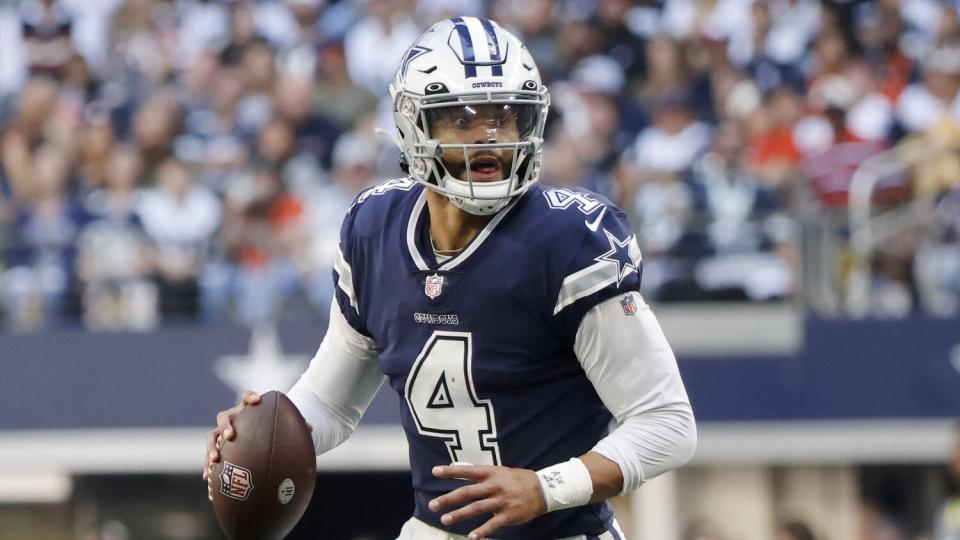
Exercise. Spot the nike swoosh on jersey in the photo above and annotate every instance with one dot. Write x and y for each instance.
(596, 222)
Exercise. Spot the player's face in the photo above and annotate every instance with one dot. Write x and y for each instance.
(480, 124)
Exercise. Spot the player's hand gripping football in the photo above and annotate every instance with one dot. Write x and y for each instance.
(224, 431)
(513, 496)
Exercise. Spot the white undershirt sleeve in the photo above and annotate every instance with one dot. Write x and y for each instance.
(339, 384)
(633, 369)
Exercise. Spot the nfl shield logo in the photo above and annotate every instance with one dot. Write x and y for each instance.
(236, 482)
(628, 305)
(433, 286)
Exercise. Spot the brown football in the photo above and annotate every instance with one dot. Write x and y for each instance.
(264, 480)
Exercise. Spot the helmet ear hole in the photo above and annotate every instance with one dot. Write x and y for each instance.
(435, 88)
(530, 85)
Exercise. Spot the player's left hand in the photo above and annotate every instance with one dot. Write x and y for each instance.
(513, 496)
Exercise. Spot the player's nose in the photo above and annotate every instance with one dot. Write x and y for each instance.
(484, 134)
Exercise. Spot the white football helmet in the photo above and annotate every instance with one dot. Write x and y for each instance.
(453, 70)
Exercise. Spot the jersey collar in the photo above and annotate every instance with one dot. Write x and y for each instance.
(418, 236)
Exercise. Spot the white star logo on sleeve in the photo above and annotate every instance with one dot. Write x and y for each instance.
(609, 268)
(619, 254)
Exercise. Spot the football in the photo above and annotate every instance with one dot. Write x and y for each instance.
(265, 477)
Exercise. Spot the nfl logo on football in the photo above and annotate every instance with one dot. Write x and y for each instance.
(628, 305)
(433, 286)
(235, 481)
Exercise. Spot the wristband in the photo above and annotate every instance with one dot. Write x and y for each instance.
(566, 485)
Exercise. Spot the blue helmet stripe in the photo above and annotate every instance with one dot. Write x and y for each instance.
(494, 45)
(466, 44)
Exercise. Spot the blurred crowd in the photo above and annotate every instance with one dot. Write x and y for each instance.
(165, 160)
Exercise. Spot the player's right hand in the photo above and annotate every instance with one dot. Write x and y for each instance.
(225, 431)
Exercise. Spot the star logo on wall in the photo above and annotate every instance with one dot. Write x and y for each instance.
(264, 367)
(619, 254)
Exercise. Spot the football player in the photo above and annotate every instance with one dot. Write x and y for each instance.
(535, 382)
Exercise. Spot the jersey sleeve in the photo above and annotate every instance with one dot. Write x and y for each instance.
(601, 261)
(348, 264)
(339, 384)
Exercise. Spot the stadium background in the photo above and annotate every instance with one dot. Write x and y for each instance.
(173, 174)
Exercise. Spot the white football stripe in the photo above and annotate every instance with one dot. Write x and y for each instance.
(634, 252)
(585, 282)
(345, 278)
(412, 231)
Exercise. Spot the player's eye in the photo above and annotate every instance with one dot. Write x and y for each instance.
(505, 117)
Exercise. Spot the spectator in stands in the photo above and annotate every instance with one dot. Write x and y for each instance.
(354, 167)
(47, 28)
(667, 72)
(618, 40)
(534, 22)
(266, 241)
(879, 28)
(298, 51)
(243, 32)
(258, 72)
(591, 137)
(669, 146)
(96, 144)
(771, 46)
(275, 144)
(155, 126)
(335, 95)
(179, 218)
(833, 151)
(114, 257)
(935, 97)
(117, 197)
(375, 45)
(739, 227)
(661, 205)
(139, 32)
(219, 116)
(313, 134)
(42, 255)
(772, 146)
(34, 123)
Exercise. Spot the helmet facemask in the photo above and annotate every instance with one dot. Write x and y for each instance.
(478, 149)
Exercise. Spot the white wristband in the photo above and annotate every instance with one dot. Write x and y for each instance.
(566, 485)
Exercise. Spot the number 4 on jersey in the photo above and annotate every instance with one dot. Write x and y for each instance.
(444, 403)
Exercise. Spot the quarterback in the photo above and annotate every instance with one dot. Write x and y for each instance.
(535, 382)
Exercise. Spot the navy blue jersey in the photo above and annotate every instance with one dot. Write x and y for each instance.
(480, 347)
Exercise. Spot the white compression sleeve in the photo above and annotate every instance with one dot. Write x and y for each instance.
(339, 384)
(631, 366)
